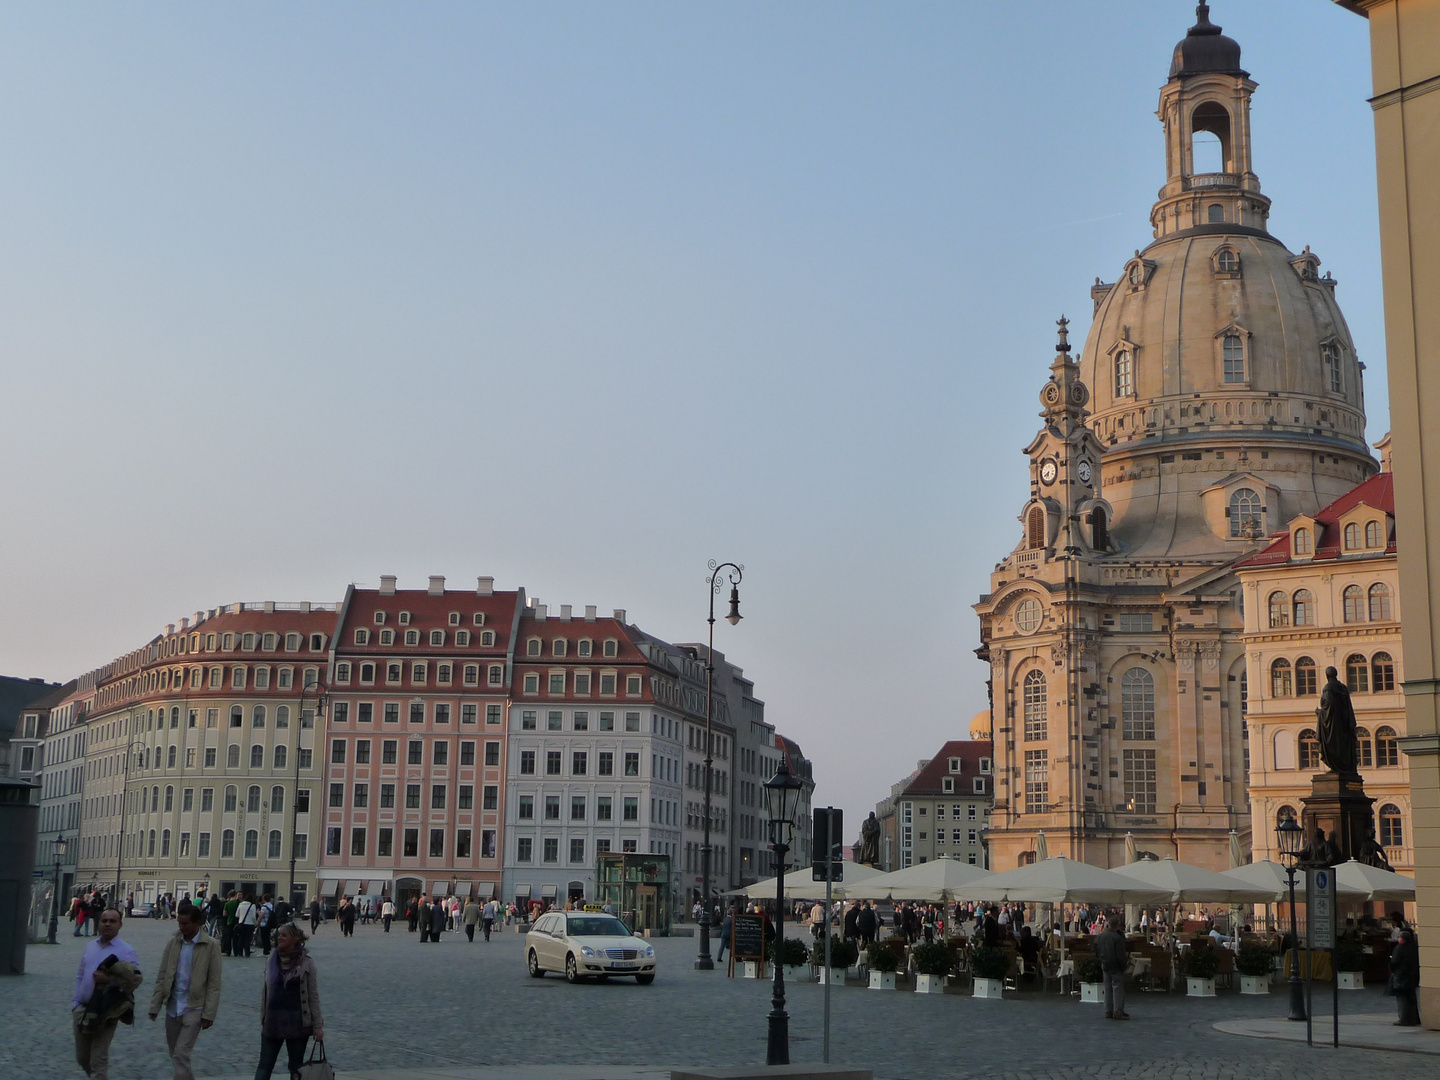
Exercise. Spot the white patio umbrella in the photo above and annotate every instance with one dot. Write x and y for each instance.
(1237, 857)
(801, 884)
(1267, 875)
(1187, 884)
(939, 879)
(1377, 884)
(1042, 847)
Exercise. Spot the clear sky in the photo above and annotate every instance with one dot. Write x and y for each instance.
(581, 296)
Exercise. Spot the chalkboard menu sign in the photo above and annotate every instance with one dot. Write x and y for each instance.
(747, 939)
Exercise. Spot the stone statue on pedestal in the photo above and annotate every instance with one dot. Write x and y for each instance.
(869, 847)
(1336, 716)
(1372, 854)
(1320, 851)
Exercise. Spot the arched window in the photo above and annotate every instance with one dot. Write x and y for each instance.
(237, 716)
(252, 843)
(165, 844)
(274, 849)
(1334, 374)
(252, 799)
(1124, 374)
(1281, 682)
(1352, 537)
(277, 799)
(1099, 531)
(1136, 274)
(280, 756)
(1357, 673)
(1036, 716)
(1372, 535)
(227, 844)
(1354, 597)
(1366, 756)
(1137, 704)
(170, 757)
(257, 716)
(155, 798)
(1227, 262)
(1392, 827)
(1379, 602)
(152, 843)
(257, 756)
(1387, 747)
(1216, 213)
(1232, 352)
(1244, 693)
(1305, 677)
(1304, 608)
(1309, 750)
(1035, 528)
(1303, 544)
(1245, 513)
(1279, 610)
(1382, 673)
(1285, 812)
(232, 757)
(282, 716)
(231, 791)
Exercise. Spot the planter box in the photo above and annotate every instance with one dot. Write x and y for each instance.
(1092, 993)
(1254, 984)
(798, 973)
(988, 988)
(882, 980)
(855, 972)
(1200, 987)
(833, 976)
(929, 984)
(1351, 980)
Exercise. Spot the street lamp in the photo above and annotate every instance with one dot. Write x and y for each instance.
(57, 849)
(734, 574)
(782, 796)
(1290, 838)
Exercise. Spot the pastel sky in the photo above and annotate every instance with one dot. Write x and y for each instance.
(583, 295)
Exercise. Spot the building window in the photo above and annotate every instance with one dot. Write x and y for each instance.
(1137, 704)
(1036, 724)
(1227, 262)
(415, 752)
(1099, 530)
(388, 751)
(357, 841)
(577, 807)
(1372, 535)
(490, 797)
(1309, 750)
(550, 850)
(1366, 757)
(1281, 679)
(1232, 351)
(1028, 615)
(1035, 528)
(632, 763)
(227, 844)
(277, 799)
(524, 849)
(1354, 600)
(1352, 537)
(552, 807)
(1306, 682)
(1379, 602)
(1392, 829)
(579, 760)
(1279, 610)
(1382, 673)
(437, 843)
(387, 796)
(411, 848)
(252, 843)
(1216, 213)
(630, 810)
(1334, 374)
(1303, 545)
(1245, 513)
(1387, 747)
(1124, 374)
(412, 796)
(1140, 788)
(462, 843)
(1304, 608)
(552, 763)
(577, 850)
(1037, 781)
(384, 843)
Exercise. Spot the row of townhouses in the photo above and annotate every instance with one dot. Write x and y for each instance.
(402, 741)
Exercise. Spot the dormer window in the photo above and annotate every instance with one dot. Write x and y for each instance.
(1302, 543)
(954, 764)
(1233, 357)
(1227, 262)
(404, 618)
(454, 618)
(947, 785)
(532, 647)
(984, 764)
(1124, 373)
(557, 647)
(584, 647)
(1246, 513)
(387, 637)
(1330, 359)
(379, 618)
(412, 637)
(1352, 537)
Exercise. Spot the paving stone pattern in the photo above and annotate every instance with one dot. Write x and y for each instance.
(392, 1003)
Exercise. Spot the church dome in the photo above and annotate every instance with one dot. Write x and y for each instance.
(1204, 49)
(980, 726)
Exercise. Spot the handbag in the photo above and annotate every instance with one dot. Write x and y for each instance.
(316, 1068)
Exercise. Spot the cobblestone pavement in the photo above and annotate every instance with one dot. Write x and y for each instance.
(393, 1004)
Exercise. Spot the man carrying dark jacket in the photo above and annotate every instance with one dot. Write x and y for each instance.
(1110, 951)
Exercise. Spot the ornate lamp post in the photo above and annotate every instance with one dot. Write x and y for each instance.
(320, 700)
(782, 793)
(734, 573)
(57, 849)
(1290, 839)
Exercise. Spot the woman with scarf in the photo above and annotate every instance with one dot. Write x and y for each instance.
(289, 1003)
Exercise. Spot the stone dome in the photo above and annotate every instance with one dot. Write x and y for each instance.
(980, 726)
(1204, 49)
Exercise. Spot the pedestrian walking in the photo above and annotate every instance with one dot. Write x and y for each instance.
(423, 916)
(289, 1003)
(471, 918)
(412, 913)
(387, 912)
(437, 920)
(345, 914)
(215, 912)
(314, 915)
(265, 922)
(247, 914)
(104, 988)
(726, 927)
(487, 921)
(187, 988)
(1405, 978)
(1110, 951)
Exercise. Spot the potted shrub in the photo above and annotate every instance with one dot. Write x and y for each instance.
(932, 964)
(1091, 976)
(795, 957)
(1198, 964)
(884, 962)
(1349, 958)
(990, 966)
(843, 954)
(1255, 962)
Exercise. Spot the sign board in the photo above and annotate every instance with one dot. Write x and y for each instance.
(828, 822)
(1320, 906)
(747, 937)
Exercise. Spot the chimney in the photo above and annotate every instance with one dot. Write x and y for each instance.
(387, 584)
(199, 617)
(485, 586)
(589, 612)
(304, 607)
(169, 628)
(564, 612)
(620, 614)
(184, 623)
(269, 607)
(437, 585)
(540, 611)
(236, 609)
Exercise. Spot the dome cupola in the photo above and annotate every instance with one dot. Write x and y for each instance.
(1204, 49)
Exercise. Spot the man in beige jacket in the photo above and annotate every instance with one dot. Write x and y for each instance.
(188, 987)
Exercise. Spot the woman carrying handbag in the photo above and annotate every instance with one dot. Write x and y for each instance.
(289, 1005)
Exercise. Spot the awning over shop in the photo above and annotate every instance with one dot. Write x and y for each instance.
(548, 892)
(375, 888)
(485, 890)
(352, 887)
(462, 888)
(522, 892)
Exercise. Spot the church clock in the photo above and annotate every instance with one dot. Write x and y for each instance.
(1048, 471)
(1084, 472)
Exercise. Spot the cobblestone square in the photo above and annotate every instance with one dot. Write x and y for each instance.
(393, 1003)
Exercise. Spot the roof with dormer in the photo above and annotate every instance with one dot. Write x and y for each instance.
(1378, 493)
(969, 752)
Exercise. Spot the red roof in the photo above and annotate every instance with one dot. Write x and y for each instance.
(1378, 492)
(426, 611)
(969, 751)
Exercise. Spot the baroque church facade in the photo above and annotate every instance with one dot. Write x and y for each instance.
(1217, 396)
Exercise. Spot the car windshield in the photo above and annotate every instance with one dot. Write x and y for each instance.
(598, 926)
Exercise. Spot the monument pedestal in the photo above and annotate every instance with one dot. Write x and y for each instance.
(1338, 804)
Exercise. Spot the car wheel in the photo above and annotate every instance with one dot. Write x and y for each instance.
(572, 970)
(645, 980)
(536, 971)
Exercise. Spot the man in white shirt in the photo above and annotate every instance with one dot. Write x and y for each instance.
(487, 922)
(246, 916)
(92, 1048)
(188, 988)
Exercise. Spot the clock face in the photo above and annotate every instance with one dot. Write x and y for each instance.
(1048, 472)
(1084, 472)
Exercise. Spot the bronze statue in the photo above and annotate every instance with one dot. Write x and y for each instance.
(1338, 746)
(1372, 854)
(1320, 851)
(869, 841)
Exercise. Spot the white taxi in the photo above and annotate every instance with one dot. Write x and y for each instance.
(587, 944)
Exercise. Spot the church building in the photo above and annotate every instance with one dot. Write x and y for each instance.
(1217, 397)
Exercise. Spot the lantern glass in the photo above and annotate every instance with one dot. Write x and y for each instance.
(1290, 837)
(782, 794)
(57, 848)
